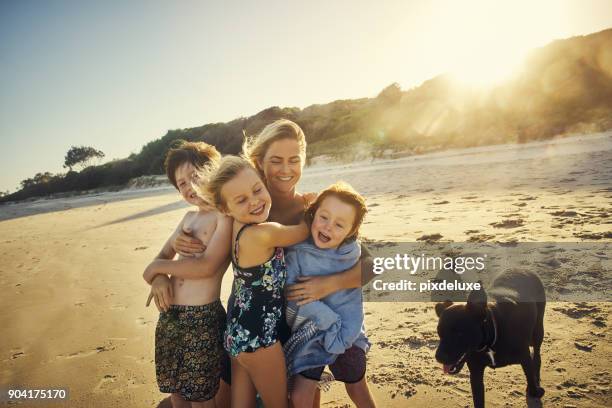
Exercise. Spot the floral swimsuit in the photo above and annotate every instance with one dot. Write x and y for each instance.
(256, 305)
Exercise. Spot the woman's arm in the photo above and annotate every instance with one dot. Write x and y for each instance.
(216, 255)
(311, 288)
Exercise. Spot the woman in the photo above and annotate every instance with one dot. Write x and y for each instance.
(279, 153)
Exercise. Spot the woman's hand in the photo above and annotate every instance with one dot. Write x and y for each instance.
(310, 288)
(186, 245)
(161, 292)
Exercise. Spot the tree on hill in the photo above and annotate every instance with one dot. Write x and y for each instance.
(39, 178)
(81, 155)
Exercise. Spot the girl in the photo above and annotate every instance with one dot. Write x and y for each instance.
(323, 330)
(255, 308)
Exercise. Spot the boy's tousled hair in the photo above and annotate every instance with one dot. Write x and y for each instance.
(198, 154)
(213, 176)
(255, 148)
(347, 194)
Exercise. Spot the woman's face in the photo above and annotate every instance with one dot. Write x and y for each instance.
(282, 165)
(246, 198)
(332, 223)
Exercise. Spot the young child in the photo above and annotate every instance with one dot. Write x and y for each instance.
(332, 328)
(255, 307)
(188, 338)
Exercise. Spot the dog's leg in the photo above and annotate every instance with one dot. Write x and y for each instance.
(537, 363)
(533, 389)
(538, 338)
(477, 384)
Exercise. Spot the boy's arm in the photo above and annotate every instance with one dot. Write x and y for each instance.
(161, 287)
(273, 234)
(313, 288)
(216, 254)
(167, 252)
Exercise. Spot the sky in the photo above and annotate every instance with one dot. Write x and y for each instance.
(117, 74)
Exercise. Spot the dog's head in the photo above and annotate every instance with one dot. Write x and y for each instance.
(460, 330)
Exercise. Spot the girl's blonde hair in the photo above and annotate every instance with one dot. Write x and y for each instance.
(213, 176)
(255, 148)
(347, 194)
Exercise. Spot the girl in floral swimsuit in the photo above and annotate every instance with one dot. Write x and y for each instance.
(257, 296)
(255, 309)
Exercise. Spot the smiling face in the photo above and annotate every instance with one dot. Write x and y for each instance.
(185, 175)
(282, 165)
(332, 223)
(246, 198)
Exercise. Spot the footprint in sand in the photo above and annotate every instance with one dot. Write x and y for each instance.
(430, 237)
(141, 321)
(140, 248)
(118, 307)
(80, 354)
(510, 223)
(584, 346)
(481, 238)
(103, 384)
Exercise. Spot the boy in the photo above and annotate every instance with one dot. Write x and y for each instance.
(188, 337)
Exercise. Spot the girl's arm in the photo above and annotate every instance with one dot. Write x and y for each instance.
(313, 288)
(215, 256)
(273, 234)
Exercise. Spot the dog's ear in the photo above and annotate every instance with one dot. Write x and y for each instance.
(442, 306)
(477, 302)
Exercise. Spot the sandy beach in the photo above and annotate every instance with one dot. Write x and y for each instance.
(72, 305)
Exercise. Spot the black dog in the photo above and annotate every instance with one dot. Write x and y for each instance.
(495, 334)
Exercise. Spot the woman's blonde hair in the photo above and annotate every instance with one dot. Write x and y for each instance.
(214, 176)
(255, 148)
(347, 194)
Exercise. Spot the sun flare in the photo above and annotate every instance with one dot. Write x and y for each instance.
(482, 43)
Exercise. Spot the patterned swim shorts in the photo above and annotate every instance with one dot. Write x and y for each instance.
(189, 350)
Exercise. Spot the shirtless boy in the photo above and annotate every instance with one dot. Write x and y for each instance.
(188, 339)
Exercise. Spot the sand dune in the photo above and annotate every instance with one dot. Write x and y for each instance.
(73, 298)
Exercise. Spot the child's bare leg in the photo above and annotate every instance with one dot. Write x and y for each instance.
(303, 393)
(360, 394)
(179, 402)
(222, 399)
(317, 399)
(242, 391)
(266, 368)
(204, 404)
